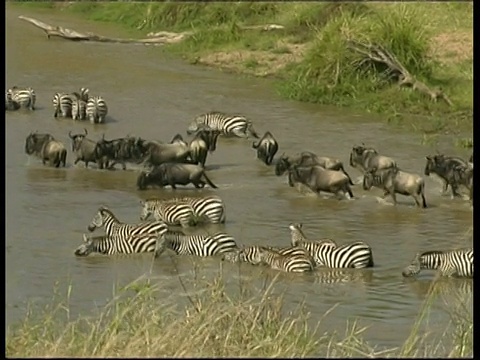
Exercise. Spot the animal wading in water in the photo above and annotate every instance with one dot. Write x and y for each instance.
(154, 153)
(365, 158)
(463, 175)
(393, 181)
(458, 263)
(203, 142)
(85, 149)
(24, 97)
(174, 174)
(443, 166)
(319, 179)
(45, 147)
(266, 148)
(97, 110)
(228, 125)
(307, 158)
(10, 104)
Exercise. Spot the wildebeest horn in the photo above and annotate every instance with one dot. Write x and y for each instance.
(70, 134)
(86, 132)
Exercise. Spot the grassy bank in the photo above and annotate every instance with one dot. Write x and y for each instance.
(216, 324)
(310, 58)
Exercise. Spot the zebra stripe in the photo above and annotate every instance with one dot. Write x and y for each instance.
(168, 212)
(25, 97)
(450, 263)
(105, 217)
(96, 109)
(209, 209)
(228, 125)
(116, 244)
(79, 109)
(62, 104)
(198, 245)
(354, 255)
(288, 259)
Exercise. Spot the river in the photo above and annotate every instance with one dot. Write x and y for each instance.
(155, 96)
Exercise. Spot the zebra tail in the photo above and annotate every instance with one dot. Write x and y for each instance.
(209, 182)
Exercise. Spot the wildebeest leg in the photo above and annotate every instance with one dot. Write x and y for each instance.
(172, 184)
(348, 190)
(445, 186)
(454, 190)
(394, 197)
(199, 184)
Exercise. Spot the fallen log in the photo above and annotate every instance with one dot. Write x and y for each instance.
(377, 54)
(68, 34)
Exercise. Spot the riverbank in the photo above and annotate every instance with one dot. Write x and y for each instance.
(218, 324)
(310, 56)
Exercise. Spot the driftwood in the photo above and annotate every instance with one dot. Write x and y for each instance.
(377, 54)
(162, 38)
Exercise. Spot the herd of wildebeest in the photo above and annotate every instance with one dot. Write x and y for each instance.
(182, 162)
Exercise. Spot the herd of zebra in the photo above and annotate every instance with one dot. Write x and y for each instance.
(75, 105)
(181, 163)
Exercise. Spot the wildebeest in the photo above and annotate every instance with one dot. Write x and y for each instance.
(178, 139)
(395, 181)
(210, 137)
(46, 148)
(443, 166)
(471, 158)
(317, 178)
(365, 158)
(463, 175)
(154, 153)
(10, 104)
(118, 151)
(308, 158)
(85, 149)
(266, 148)
(174, 174)
(203, 142)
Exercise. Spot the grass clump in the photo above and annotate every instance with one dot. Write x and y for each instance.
(215, 323)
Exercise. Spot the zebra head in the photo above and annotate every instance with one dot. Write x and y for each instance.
(147, 210)
(414, 267)
(98, 220)
(232, 256)
(296, 233)
(86, 248)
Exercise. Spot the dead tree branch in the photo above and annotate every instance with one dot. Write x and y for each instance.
(378, 54)
(68, 34)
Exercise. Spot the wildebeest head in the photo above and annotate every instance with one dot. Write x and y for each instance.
(358, 154)
(35, 141)
(86, 248)
(177, 139)
(282, 165)
(463, 174)
(433, 162)
(210, 137)
(77, 139)
(142, 180)
(104, 148)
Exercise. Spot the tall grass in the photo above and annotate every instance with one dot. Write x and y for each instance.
(215, 323)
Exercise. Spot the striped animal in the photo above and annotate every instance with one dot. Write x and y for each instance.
(117, 244)
(457, 263)
(105, 217)
(170, 213)
(207, 209)
(291, 259)
(62, 104)
(96, 110)
(228, 125)
(198, 245)
(79, 107)
(10, 105)
(25, 97)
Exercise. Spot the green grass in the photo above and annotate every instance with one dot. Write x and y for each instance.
(326, 73)
(217, 323)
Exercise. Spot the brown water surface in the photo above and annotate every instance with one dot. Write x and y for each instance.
(154, 96)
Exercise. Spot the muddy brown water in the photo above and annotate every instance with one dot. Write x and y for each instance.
(154, 96)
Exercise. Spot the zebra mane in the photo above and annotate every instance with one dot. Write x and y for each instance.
(104, 209)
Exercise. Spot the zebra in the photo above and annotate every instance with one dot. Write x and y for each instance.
(209, 209)
(169, 212)
(457, 263)
(25, 97)
(117, 244)
(62, 103)
(96, 109)
(79, 107)
(288, 259)
(228, 125)
(105, 217)
(298, 237)
(10, 105)
(198, 245)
